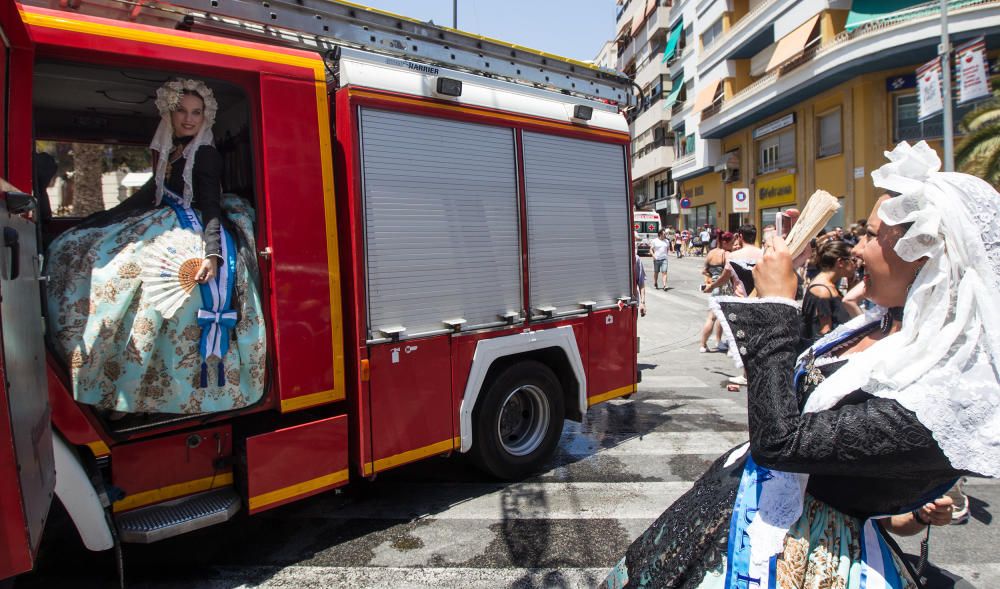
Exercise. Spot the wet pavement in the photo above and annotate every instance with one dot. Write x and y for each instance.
(441, 523)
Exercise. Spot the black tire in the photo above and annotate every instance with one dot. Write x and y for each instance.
(518, 421)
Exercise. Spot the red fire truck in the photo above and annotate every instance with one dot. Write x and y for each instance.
(443, 226)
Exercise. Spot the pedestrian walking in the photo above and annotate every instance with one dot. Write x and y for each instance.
(715, 262)
(705, 236)
(660, 249)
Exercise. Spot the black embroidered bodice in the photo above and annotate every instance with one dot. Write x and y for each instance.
(866, 456)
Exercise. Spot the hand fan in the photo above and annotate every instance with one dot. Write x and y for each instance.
(169, 265)
(819, 209)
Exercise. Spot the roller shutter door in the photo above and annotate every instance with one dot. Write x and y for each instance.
(578, 230)
(441, 222)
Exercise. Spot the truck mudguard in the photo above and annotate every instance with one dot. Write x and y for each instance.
(78, 496)
(490, 350)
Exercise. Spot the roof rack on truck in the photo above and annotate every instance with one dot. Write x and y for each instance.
(323, 25)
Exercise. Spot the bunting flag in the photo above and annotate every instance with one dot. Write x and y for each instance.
(929, 85)
(973, 77)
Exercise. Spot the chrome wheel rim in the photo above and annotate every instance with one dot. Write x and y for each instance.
(523, 420)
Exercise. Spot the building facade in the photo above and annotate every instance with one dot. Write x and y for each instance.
(784, 97)
(638, 50)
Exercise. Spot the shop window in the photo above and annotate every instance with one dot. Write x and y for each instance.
(767, 215)
(907, 125)
(828, 130)
(776, 152)
(839, 218)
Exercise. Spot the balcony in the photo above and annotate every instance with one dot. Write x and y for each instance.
(651, 70)
(903, 38)
(649, 118)
(653, 162)
(748, 35)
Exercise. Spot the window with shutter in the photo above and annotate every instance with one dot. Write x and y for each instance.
(829, 133)
(578, 231)
(441, 222)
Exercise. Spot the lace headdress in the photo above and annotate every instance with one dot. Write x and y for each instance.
(168, 97)
(944, 362)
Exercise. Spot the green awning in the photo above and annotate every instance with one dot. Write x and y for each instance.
(865, 11)
(675, 37)
(675, 91)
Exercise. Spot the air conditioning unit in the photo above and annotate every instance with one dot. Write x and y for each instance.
(730, 174)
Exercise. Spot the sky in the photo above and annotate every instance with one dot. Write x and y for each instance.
(570, 28)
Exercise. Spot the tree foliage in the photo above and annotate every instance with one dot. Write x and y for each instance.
(979, 151)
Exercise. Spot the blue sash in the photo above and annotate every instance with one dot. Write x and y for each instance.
(877, 570)
(216, 316)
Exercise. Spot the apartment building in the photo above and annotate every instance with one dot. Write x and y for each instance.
(783, 97)
(638, 50)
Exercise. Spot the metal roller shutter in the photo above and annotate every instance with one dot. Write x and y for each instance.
(441, 221)
(578, 231)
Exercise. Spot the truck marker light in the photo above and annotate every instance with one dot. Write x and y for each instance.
(582, 112)
(449, 87)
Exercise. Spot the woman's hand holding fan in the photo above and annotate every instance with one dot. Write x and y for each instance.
(170, 265)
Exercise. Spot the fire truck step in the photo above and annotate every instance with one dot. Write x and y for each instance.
(158, 522)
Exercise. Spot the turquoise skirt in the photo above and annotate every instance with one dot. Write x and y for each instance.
(122, 354)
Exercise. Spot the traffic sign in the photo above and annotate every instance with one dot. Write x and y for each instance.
(685, 203)
(741, 200)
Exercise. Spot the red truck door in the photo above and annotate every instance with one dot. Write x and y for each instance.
(27, 470)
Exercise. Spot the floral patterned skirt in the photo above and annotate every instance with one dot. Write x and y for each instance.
(822, 551)
(123, 355)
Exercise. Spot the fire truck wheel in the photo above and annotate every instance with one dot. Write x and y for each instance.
(518, 421)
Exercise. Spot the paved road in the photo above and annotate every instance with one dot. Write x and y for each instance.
(441, 524)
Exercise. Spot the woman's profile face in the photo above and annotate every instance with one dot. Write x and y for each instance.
(887, 276)
(189, 116)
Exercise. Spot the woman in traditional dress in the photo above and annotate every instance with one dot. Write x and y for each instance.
(878, 417)
(140, 330)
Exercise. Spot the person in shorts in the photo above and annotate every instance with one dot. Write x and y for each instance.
(660, 249)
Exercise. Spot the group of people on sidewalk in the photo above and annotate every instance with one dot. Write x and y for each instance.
(858, 430)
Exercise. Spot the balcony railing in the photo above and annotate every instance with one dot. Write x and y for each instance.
(714, 108)
(677, 107)
(929, 9)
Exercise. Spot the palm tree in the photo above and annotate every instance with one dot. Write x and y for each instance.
(88, 163)
(979, 151)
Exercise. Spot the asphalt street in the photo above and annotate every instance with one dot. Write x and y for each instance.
(441, 523)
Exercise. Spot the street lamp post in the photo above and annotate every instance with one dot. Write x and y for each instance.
(454, 14)
(945, 54)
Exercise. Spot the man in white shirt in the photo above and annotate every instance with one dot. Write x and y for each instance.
(660, 249)
(706, 238)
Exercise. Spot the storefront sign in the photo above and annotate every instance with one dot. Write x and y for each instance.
(773, 126)
(973, 78)
(741, 200)
(929, 84)
(776, 191)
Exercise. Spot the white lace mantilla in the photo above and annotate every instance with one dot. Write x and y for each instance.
(943, 363)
